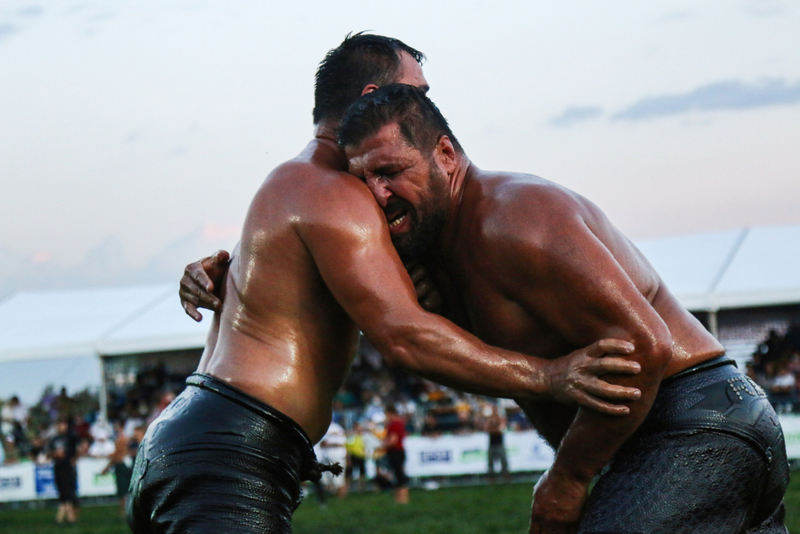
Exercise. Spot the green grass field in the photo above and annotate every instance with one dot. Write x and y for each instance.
(469, 510)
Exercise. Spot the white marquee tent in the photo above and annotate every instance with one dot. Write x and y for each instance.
(79, 326)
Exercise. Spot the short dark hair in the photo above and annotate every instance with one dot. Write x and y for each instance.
(360, 60)
(420, 121)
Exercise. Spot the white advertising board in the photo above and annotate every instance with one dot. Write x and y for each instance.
(17, 482)
(91, 482)
(467, 454)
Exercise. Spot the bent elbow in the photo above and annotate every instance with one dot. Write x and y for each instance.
(657, 354)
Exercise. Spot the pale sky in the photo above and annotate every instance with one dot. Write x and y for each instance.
(139, 123)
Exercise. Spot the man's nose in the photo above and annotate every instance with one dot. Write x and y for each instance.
(379, 191)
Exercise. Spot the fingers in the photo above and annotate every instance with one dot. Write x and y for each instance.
(613, 365)
(222, 256)
(608, 391)
(191, 311)
(423, 288)
(610, 346)
(601, 406)
(416, 273)
(196, 282)
(216, 265)
(196, 288)
(199, 272)
(432, 303)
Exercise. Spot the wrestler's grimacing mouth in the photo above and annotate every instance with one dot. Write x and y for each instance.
(396, 218)
(398, 221)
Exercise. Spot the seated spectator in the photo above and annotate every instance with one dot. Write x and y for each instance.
(782, 389)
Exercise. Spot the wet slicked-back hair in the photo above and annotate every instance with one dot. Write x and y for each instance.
(420, 121)
(360, 60)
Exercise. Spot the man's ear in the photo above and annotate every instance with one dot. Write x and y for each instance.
(445, 152)
(368, 88)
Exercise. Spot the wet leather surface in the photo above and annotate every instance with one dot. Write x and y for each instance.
(218, 461)
(710, 458)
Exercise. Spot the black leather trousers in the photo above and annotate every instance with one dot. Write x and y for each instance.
(218, 460)
(709, 458)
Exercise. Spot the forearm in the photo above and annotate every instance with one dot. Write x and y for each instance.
(434, 348)
(593, 438)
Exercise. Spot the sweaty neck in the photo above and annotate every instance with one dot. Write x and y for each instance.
(325, 135)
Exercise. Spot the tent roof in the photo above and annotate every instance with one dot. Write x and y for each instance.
(163, 326)
(74, 323)
(765, 270)
(731, 269)
(691, 265)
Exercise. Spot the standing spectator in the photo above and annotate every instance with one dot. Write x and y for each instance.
(121, 462)
(2, 450)
(65, 406)
(63, 452)
(396, 453)
(374, 412)
(15, 424)
(334, 451)
(356, 456)
(495, 425)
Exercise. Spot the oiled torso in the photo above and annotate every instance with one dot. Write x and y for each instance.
(488, 303)
(282, 337)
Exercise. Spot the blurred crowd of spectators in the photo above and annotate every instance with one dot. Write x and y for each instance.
(776, 368)
(428, 409)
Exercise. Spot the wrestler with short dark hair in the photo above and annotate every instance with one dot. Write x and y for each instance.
(531, 265)
(314, 265)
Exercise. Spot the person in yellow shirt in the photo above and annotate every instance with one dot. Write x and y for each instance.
(356, 456)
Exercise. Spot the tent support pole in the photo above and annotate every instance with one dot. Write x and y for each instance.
(713, 326)
(103, 390)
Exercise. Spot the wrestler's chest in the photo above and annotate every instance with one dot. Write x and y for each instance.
(499, 319)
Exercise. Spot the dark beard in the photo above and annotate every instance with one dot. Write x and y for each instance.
(425, 229)
(421, 239)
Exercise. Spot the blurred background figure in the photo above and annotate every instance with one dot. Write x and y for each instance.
(333, 450)
(14, 427)
(64, 453)
(782, 389)
(495, 425)
(395, 452)
(356, 456)
(121, 462)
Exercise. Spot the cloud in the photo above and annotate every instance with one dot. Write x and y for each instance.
(6, 30)
(31, 12)
(766, 8)
(725, 95)
(574, 115)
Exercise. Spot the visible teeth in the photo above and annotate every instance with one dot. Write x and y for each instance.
(397, 221)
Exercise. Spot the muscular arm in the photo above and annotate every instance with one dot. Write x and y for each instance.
(566, 275)
(350, 243)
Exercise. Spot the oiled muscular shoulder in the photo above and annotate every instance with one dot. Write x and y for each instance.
(533, 228)
(303, 195)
